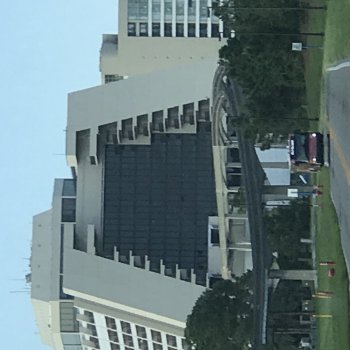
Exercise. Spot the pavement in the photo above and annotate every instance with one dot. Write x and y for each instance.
(338, 111)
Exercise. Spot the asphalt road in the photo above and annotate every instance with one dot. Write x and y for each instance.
(338, 110)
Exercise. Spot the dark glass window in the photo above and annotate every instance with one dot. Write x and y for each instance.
(126, 328)
(215, 30)
(128, 340)
(155, 29)
(141, 332)
(111, 323)
(203, 30)
(143, 345)
(68, 188)
(113, 336)
(68, 210)
(156, 336)
(157, 346)
(131, 29)
(171, 340)
(191, 31)
(214, 234)
(179, 29)
(143, 29)
(168, 29)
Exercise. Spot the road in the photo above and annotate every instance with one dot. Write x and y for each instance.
(338, 110)
(228, 94)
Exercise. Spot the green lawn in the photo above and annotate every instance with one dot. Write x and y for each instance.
(313, 58)
(333, 332)
(337, 40)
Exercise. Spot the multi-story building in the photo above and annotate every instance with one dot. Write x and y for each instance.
(157, 34)
(54, 310)
(133, 236)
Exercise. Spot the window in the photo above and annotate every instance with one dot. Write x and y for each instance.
(168, 5)
(68, 210)
(168, 29)
(110, 322)
(171, 340)
(109, 78)
(113, 336)
(179, 29)
(131, 29)
(215, 30)
(114, 346)
(155, 29)
(156, 10)
(126, 328)
(203, 30)
(68, 188)
(137, 9)
(95, 341)
(214, 236)
(203, 9)
(191, 31)
(156, 336)
(92, 329)
(128, 340)
(143, 29)
(157, 346)
(143, 344)
(180, 10)
(141, 332)
(90, 315)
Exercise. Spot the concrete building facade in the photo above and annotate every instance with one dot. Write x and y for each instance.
(158, 34)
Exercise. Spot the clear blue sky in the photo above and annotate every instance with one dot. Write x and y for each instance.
(48, 48)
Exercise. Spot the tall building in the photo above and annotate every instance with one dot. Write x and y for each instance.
(133, 236)
(54, 310)
(132, 240)
(157, 34)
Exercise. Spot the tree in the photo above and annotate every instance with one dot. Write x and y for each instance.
(222, 317)
(270, 74)
(285, 226)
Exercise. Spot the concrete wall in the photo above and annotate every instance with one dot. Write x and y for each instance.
(45, 269)
(90, 108)
(127, 288)
(138, 55)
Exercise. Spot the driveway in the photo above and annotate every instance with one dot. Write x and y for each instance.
(338, 110)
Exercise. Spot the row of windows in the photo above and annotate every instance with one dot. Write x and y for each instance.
(138, 9)
(141, 334)
(141, 29)
(126, 336)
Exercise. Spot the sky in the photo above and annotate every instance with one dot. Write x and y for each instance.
(48, 49)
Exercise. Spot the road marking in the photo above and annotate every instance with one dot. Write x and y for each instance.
(340, 153)
(339, 66)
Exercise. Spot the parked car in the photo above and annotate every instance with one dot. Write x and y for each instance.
(306, 150)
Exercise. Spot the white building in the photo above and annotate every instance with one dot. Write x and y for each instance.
(129, 240)
(157, 34)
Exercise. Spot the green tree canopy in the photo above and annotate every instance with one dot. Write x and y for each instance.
(260, 59)
(222, 317)
(286, 225)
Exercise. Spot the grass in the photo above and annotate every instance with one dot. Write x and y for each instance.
(337, 40)
(333, 333)
(313, 58)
